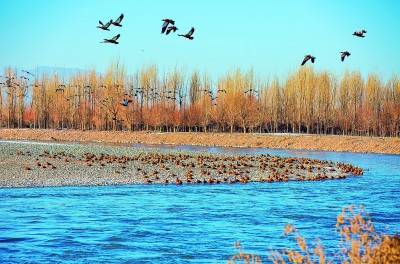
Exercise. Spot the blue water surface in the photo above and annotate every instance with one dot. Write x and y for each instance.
(191, 223)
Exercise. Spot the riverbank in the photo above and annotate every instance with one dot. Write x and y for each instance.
(283, 141)
(30, 164)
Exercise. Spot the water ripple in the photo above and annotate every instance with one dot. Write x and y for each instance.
(190, 223)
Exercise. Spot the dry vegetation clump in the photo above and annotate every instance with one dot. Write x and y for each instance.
(256, 140)
(359, 243)
(243, 256)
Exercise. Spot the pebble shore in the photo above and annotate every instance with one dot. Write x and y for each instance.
(41, 164)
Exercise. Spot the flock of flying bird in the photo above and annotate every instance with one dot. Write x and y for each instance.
(107, 25)
(359, 33)
(10, 80)
(165, 29)
(169, 25)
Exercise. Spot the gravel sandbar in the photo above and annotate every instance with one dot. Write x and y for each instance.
(52, 164)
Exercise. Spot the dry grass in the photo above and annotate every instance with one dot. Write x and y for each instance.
(285, 141)
(243, 256)
(359, 243)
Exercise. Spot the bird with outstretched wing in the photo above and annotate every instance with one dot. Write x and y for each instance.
(188, 35)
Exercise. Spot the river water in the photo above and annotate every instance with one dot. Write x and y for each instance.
(191, 223)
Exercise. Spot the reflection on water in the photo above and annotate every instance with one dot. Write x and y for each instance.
(190, 223)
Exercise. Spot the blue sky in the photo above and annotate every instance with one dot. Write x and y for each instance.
(270, 36)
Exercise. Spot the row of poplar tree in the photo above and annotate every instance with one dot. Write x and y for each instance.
(305, 101)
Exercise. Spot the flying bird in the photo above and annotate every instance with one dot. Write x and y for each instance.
(171, 28)
(189, 34)
(306, 58)
(360, 33)
(112, 40)
(118, 21)
(125, 102)
(251, 91)
(28, 72)
(104, 27)
(344, 54)
(61, 88)
(165, 25)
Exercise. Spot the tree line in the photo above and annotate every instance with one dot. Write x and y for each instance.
(305, 101)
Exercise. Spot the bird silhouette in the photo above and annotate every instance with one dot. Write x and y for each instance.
(104, 27)
(189, 34)
(360, 33)
(118, 21)
(112, 40)
(165, 24)
(306, 58)
(27, 72)
(344, 54)
(60, 87)
(125, 102)
(171, 28)
(251, 91)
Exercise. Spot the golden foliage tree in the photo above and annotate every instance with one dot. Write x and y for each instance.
(304, 101)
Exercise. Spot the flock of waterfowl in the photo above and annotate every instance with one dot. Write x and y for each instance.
(165, 29)
(153, 167)
(169, 25)
(344, 54)
(10, 80)
(116, 23)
